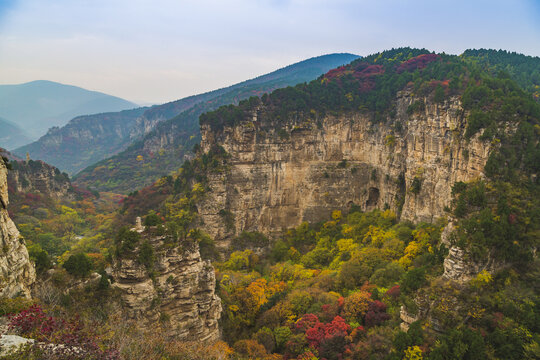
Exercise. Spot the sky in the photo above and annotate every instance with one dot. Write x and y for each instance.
(162, 50)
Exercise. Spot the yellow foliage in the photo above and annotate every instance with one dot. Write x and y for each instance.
(413, 353)
(140, 158)
(356, 305)
(377, 236)
(390, 140)
(336, 215)
(483, 278)
(411, 251)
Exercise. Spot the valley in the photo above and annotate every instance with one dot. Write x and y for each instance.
(381, 207)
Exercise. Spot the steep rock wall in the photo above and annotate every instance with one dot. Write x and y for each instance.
(17, 273)
(181, 296)
(39, 177)
(282, 174)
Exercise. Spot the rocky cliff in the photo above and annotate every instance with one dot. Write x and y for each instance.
(163, 146)
(281, 174)
(39, 177)
(17, 273)
(180, 295)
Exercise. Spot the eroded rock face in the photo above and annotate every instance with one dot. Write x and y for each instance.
(17, 273)
(278, 178)
(460, 267)
(181, 297)
(39, 177)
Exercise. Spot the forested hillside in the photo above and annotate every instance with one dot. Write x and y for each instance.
(366, 280)
(166, 147)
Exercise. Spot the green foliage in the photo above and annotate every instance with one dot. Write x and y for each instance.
(146, 255)
(11, 306)
(78, 265)
(439, 95)
(413, 279)
(40, 257)
(416, 185)
(461, 343)
(152, 219)
(126, 240)
(416, 107)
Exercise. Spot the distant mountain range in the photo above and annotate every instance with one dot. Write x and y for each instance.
(39, 105)
(11, 135)
(88, 139)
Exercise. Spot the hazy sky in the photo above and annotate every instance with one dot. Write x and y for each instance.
(162, 50)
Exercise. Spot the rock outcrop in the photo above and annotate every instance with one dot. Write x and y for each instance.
(282, 173)
(17, 273)
(39, 177)
(180, 295)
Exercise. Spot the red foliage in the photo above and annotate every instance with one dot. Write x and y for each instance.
(85, 193)
(29, 197)
(321, 332)
(36, 324)
(363, 72)
(434, 83)
(376, 313)
(394, 292)
(307, 321)
(418, 62)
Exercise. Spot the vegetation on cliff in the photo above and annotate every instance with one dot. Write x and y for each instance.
(364, 284)
(170, 143)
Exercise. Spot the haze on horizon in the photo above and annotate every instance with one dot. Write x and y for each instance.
(158, 51)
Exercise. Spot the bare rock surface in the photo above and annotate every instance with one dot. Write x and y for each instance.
(17, 273)
(181, 296)
(281, 173)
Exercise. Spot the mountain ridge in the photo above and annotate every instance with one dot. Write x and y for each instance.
(38, 105)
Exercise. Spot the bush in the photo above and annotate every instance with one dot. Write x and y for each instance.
(126, 239)
(78, 265)
(14, 306)
(152, 219)
(146, 255)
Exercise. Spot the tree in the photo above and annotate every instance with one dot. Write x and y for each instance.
(438, 97)
(146, 254)
(78, 265)
(356, 305)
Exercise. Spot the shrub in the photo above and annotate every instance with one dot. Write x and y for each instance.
(152, 219)
(146, 255)
(13, 306)
(78, 265)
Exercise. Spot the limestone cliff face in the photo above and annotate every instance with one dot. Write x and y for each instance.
(39, 177)
(181, 297)
(17, 273)
(279, 178)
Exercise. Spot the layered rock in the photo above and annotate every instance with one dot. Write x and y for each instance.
(280, 174)
(180, 295)
(39, 177)
(17, 273)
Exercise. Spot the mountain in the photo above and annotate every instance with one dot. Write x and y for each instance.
(84, 140)
(164, 148)
(389, 207)
(88, 139)
(38, 105)
(525, 70)
(11, 135)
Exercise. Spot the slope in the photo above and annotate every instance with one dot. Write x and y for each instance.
(412, 128)
(39, 105)
(166, 147)
(84, 140)
(11, 135)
